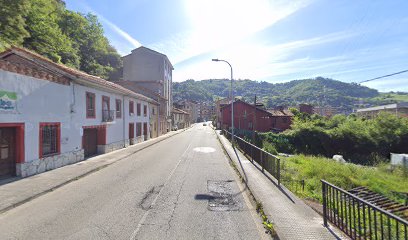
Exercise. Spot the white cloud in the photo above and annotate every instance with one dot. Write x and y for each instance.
(120, 32)
(219, 24)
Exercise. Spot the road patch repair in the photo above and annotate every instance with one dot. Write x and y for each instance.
(222, 198)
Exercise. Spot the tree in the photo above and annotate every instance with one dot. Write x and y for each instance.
(46, 37)
(12, 22)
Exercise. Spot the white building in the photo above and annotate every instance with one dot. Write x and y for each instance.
(181, 119)
(52, 115)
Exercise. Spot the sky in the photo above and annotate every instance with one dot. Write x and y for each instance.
(265, 40)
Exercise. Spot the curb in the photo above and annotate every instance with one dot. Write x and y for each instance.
(19, 203)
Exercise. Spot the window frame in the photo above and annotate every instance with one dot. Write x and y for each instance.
(131, 107)
(144, 110)
(106, 98)
(87, 102)
(41, 138)
(118, 111)
(138, 109)
(139, 129)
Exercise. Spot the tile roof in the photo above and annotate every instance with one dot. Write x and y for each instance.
(177, 110)
(25, 53)
(280, 113)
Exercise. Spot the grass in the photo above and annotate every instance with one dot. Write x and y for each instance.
(380, 179)
(392, 96)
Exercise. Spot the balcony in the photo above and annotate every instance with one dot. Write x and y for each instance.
(108, 115)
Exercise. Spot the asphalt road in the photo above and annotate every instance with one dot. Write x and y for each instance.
(180, 188)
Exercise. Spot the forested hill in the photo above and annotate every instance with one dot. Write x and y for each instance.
(64, 36)
(318, 91)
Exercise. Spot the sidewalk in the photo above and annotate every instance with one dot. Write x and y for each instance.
(291, 217)
(15, 193)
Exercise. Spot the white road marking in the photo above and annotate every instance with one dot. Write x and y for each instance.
(204, 149)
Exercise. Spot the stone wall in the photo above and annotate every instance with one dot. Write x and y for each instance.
(112, 146)
(48, 163)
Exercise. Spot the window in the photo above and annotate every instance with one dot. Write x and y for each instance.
(138, 109)
(118, 108)
(50, 141)
(90, 105)
(153, 113)
(105, 103)
(138, 129)
(144, 110)
(131, 108)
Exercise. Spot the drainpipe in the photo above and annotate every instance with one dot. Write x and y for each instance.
(158, 117)
(124, 122)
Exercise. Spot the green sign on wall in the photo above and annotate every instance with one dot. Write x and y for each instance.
(8, 101)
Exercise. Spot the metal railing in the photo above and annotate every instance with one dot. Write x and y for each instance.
(108, 115)
(267, 161)
(358, 218)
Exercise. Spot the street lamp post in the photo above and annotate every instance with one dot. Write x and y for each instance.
(232, 99)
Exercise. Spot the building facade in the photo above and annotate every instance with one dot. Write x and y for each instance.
(399, 109)
(151, 71)
(190, 107)
(181, 119)
(52, 115)
(219, 104)
(248, 117)
(207, 111)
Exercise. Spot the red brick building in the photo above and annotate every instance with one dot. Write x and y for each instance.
(246, 116)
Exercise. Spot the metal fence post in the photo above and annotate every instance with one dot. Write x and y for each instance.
(279, 174)
(324, 204)
(262, 161)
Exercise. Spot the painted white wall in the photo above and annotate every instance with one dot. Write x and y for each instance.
(114, 132)
(39, 101)
(46, 101)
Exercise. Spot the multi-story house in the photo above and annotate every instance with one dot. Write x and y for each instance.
(181, 119)
(52, 115)
(207, 111)
(150, 73)
(218, 113)
(398, 109)
(249, 117)
(327, 111)
(190, 107)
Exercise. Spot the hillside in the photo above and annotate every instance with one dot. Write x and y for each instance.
(318, 91)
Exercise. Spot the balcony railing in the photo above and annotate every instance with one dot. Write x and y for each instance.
(108, 115)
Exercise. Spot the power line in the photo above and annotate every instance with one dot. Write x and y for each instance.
(388, 75)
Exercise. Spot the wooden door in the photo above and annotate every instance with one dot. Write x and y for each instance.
(90, 139)
(131, 130)
(145, 131)
(7, 152)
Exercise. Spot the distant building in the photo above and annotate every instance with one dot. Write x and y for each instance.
(306, 108)
(326, 111)
(181, 119)
(190, 107)
(399, 109)
(248, 117)
(150, 73)
(207, 111)
(218, 113)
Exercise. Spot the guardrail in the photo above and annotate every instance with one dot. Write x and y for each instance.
(267, 161)
(358, 218)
